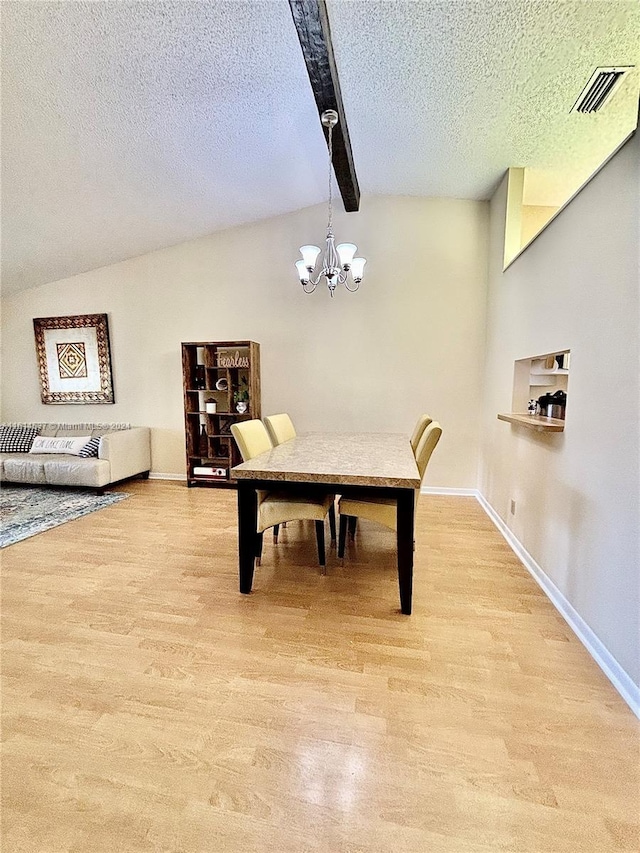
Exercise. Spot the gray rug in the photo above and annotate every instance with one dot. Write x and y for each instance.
(27, 510)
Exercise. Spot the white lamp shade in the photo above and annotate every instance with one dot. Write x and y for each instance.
(309, 255)
(303, 272)
(357, 268)
(346, 251)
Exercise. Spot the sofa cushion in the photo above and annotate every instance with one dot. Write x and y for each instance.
(17, 439)
(56, 470)
(24, 468)
(74, 471)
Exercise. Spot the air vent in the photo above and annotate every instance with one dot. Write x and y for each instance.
(601, 86)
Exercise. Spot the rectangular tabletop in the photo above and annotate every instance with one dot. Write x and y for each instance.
(349, 459)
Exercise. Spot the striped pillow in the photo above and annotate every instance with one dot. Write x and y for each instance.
(17, 439)
(91, 448)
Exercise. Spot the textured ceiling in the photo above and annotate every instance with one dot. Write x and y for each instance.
(442, 97)
(129, 126)
(133, 126)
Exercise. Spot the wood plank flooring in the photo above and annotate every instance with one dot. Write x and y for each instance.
(148, 706)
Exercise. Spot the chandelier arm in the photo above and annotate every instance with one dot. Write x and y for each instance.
(351, 289)
(309, 286)
(315, 281)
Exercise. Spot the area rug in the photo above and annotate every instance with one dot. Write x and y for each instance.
(27, 510)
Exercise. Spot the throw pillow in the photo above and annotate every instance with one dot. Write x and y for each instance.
(17, 439)
(66, 444)
(91, 448)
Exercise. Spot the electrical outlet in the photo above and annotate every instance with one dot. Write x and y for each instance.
(513, 507)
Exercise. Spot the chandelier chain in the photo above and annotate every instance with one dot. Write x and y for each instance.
(330, 223)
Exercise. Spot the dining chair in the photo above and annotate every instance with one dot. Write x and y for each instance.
(280, 428)
(384, 510)
(275, 508)
(423, 423)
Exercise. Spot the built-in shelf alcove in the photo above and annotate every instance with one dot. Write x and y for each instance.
(539, 378)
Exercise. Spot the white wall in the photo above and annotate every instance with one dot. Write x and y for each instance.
(411, 340)
(577, 493)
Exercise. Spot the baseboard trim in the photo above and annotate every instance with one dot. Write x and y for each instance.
(441, 490)
(622, 682)
(159, 476)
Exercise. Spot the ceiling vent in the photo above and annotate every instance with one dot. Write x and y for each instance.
(600, 87)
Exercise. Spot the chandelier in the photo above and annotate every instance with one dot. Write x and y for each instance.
(337, 261)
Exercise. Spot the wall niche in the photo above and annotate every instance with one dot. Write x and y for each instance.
(543, 380)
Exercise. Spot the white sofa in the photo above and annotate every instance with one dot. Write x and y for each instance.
(124, 452)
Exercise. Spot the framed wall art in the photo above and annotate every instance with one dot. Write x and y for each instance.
(74, 359)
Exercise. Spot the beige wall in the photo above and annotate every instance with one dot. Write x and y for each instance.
(411, 340)
(577, 493)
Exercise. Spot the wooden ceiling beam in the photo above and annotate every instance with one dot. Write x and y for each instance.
(314, 33)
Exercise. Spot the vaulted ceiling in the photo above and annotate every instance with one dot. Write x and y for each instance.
(131, 126)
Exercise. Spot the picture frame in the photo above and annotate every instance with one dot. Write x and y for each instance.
(74, 359)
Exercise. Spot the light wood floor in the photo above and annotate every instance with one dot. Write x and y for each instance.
(148, 706)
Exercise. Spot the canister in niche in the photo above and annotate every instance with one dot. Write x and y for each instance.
(553, 405)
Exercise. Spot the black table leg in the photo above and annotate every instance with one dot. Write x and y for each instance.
(343, 535)
(247, 526)
(322, 560)
(404, 527)
(332, 521)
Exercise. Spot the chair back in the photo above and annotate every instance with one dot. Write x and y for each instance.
(423, 423)
(430, 437)
(252, 438)
(280, 428)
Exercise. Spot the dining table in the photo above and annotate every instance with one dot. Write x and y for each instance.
(374, 464)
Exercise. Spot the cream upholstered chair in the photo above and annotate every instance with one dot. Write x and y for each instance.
(423, 423)
(275, 508)
(384, 510)
(252, 438)
(280, 428)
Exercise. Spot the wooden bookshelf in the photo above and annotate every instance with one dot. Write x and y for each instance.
(223, 373)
